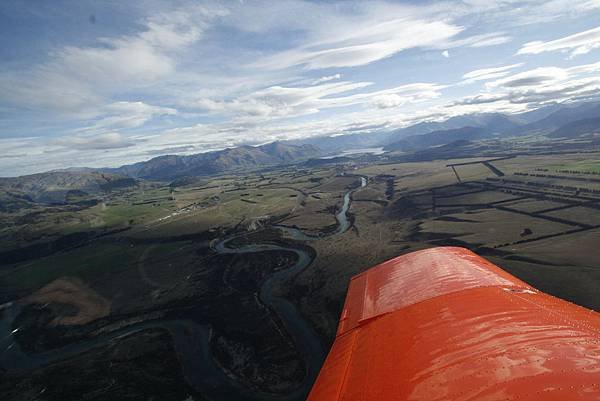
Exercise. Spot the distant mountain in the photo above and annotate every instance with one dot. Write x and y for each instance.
(416, 137)
(436, 138)
(483, 126)
(564, 115)
(339, 143)
(455, 149)
(285, 153)
(532, 116)
(357, 140)
(494, 122)
(551, 120)
(577, 128)
(540, 121)
(428, 126)
(171, 167)
(57, 187)
(424, 128)
(497, 123)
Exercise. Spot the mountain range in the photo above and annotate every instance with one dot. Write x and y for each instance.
(339, 143)
(170, 167)
(555, 121)
(577, 128)
(58, 187)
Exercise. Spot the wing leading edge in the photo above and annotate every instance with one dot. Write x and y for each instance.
(446, 324)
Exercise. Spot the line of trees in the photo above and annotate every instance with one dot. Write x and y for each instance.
(560, 177)
(571, 171)
(566, 188)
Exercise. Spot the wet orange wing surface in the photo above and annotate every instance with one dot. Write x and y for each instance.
(445, 324)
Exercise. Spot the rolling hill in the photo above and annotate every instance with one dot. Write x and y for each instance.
(57, 187)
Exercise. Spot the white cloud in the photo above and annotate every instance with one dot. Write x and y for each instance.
(531, 78)
(577, 44)
(76, 79)
(485, 74)
(226, 73)
(491, 41)
(477, 41)
(392, 97)
(127, 115)
(526, 12)
(571, 90)
(109, 140)
(387, 101)
(279, 101)
(547, 10)
(363, 46)
(539, 86)
(327, 79)
(584, 69)
(446, 53)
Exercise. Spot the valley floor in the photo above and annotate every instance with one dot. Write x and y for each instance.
(149, 255)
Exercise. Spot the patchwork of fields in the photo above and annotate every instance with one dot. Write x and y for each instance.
(148, 254)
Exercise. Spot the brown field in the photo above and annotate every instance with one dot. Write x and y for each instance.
(492, 227)
(578, 214)
(71, 291)
(532, 205)
(484, 197)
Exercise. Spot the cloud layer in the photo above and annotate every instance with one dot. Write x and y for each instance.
(187, 77)
(577, 44)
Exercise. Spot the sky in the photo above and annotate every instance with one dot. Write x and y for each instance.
(101, 84)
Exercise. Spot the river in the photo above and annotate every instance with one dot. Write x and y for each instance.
(192, 339)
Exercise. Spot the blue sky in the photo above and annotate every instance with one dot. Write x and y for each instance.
(87, 83)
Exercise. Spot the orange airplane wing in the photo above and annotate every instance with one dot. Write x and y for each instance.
(446, 324)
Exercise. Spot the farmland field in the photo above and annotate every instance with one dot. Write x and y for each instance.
(154, 254)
